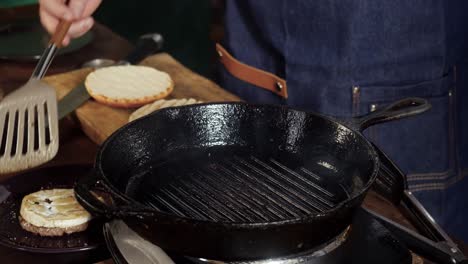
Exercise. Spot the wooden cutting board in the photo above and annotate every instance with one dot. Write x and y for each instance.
(99, 121)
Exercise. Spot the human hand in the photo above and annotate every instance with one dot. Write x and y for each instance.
(78, 11)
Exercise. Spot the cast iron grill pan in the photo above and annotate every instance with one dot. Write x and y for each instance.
(234, 181)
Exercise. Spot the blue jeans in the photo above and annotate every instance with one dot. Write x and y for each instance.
(345, 57)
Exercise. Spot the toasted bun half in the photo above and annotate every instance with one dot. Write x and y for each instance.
(53, 212)
(128, 86)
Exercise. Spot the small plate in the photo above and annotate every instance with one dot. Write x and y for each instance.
(81, 247)
(127, 247)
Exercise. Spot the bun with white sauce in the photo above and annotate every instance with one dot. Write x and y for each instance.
(54, 212)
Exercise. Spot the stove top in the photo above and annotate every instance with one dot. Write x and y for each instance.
(368, 241)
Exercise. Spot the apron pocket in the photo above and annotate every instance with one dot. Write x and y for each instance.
(422, 145)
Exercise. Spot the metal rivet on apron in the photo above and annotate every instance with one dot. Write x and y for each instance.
(220, 54)
(355, 89)
(279, 86)
(373, 107)
(450, 93)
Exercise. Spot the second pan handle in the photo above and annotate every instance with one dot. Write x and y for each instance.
(401, 109)
(434, 243)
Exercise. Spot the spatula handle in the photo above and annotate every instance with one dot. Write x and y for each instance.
(49, 53)
(61, 30)
(60, 33)
(54, 44)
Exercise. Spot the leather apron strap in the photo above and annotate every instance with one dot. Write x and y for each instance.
(252, 75)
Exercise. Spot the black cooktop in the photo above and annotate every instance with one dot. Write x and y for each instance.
(369, 242)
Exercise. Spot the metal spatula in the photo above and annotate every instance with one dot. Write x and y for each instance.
(28, 116)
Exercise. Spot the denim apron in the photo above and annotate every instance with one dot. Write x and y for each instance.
(345, 58)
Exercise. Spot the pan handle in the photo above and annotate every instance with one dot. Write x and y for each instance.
(439, 252)
(434, 243)
(146, 45)
(391, 182)
(400, 109)
(89, 184)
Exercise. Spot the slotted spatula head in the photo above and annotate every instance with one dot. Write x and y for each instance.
(28, 116)
(28, 127)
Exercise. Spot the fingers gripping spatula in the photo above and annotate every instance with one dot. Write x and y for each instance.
(28, 116)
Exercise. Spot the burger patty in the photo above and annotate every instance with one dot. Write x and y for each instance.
(51, 231)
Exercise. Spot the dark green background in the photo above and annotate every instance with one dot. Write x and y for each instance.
(16, 3)
(183, 23)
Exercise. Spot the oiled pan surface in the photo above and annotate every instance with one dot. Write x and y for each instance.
(237, 163)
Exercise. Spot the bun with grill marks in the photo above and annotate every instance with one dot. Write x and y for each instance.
(128, 86)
